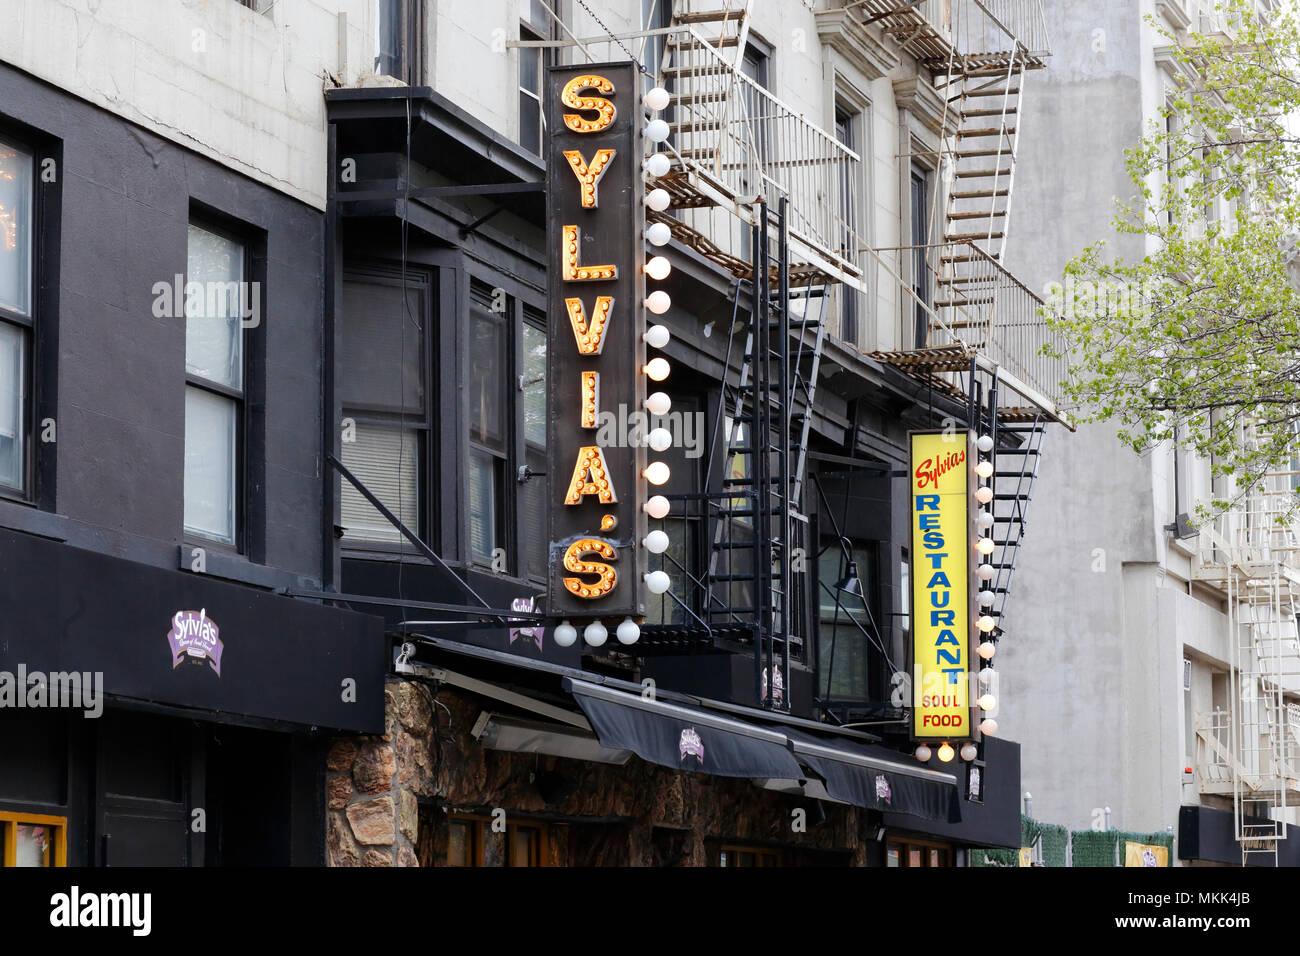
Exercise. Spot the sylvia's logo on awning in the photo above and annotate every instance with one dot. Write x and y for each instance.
(196, 635)
(690, 743)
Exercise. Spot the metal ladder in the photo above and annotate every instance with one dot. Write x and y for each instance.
(758, 547)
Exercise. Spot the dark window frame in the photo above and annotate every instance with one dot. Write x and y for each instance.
(250, 421)
(430, 279)
(920, 178)
(534, 31)
(40, 325)
(523, 305)
(406, 62)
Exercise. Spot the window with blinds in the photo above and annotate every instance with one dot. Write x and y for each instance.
(384, 386)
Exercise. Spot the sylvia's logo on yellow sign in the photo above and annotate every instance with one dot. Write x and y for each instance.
(941, 617)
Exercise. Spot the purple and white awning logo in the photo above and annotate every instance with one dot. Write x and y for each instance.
(882, 789)
(528, 634)
(194, 634)
(690, 743)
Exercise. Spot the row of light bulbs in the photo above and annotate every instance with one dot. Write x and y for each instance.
(985, 622)
(657, 404)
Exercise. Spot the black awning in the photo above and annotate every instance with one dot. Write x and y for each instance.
(684, 738)
(876, 778)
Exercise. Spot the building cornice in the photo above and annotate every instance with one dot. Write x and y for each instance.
(851, 39)
(918, 96)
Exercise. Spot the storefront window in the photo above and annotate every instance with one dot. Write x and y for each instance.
(746, 856)
(32, 840)
(917, 853)
(15, 311)
(474, 841)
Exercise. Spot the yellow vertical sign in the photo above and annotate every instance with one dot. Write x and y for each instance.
(940, 515)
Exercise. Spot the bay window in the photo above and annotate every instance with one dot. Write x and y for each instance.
(384, 391)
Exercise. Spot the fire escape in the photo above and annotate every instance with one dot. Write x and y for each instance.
(762, 193)
(1250, 750)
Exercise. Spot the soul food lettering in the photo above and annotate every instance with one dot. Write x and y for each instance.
(941, 569)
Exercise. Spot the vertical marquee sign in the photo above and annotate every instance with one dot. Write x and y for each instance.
(595, 228)
(942, 479)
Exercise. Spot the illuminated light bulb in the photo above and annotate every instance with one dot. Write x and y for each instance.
(657, 507)
(656, 131)
(658, 268)
(984, 520)
(988, 702)
(985, 443)
(565, 634)
(984, 545)
(969, 752)
(660, 439)
(985, 572)
(657, 336)
(984, 494)
(595, 634)
(985, 598)
(985, 623)
(658, 199)
(658, 302)
(988, 727)
(986, 675)
(986, 650)
(658, 165)
(658, 234)
(946, 753)
(658, 582)
(984, 469)
(628, 632)
(658, 403)
(657, 369)
(656, 542)
(656, 99)
(923, 753)
(657, 473)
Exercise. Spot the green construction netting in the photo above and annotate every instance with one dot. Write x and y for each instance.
(1061, 847)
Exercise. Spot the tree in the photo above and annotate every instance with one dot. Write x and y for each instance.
(1199, 340)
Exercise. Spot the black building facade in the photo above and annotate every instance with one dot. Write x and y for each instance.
(162, 489)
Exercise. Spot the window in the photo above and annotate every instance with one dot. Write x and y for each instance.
(399, 29)
(846, 125)
(506, 409)
(489, 432)
(845, 652)
(473, 841)
(913, 853)
(532, 384)
(754, 65)
(215, 365)
(745, 856)
(28, 839)
(920, 193)
(536, 25)
(16, 314)
(384, 393)
(656, 15)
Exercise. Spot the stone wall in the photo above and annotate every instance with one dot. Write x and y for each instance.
(389, 798)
